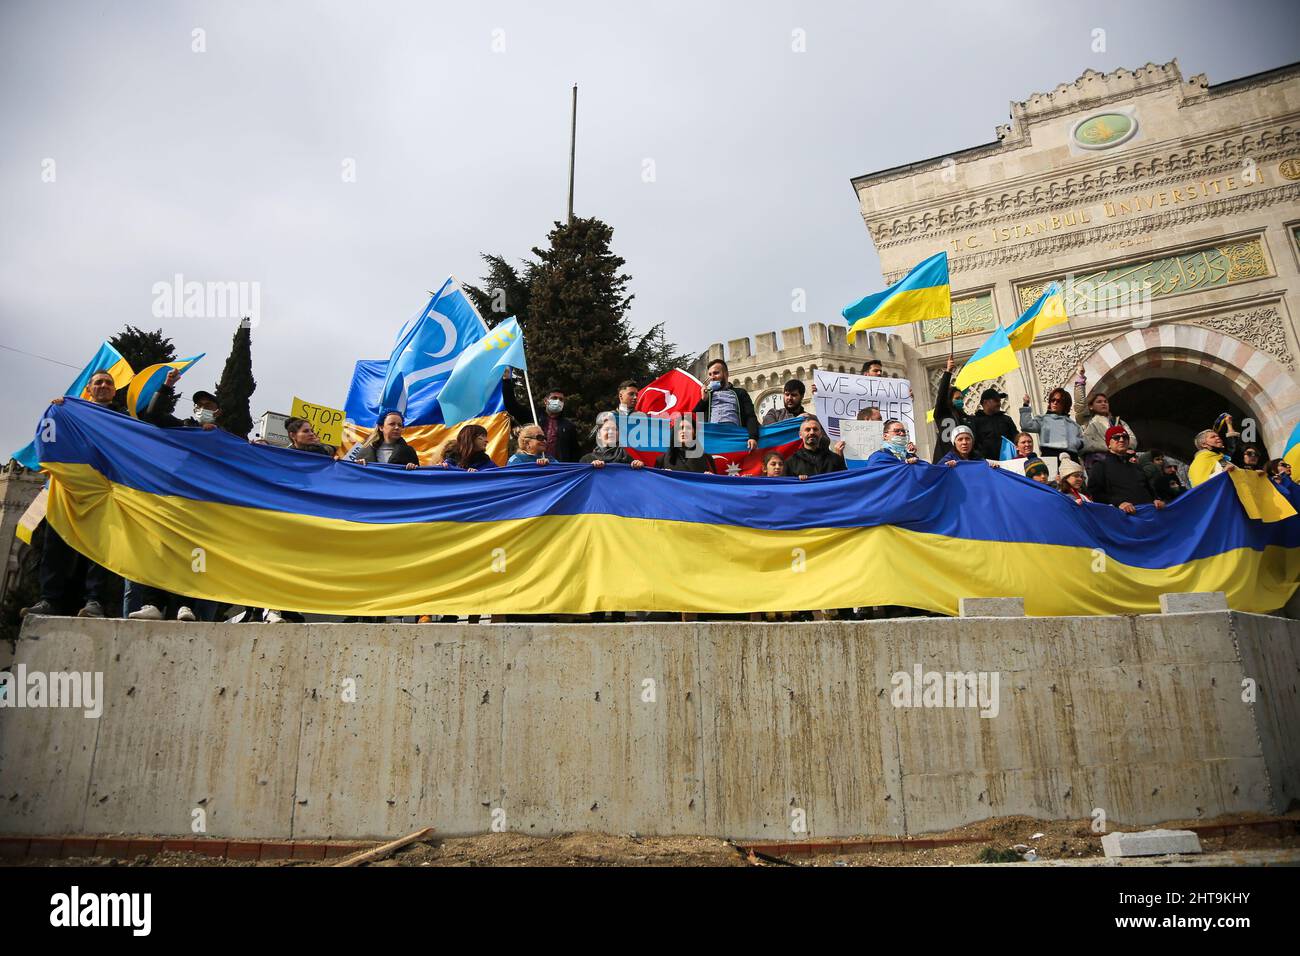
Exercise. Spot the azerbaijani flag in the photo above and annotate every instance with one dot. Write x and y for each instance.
(1048, 310)
(995, 357)
(924, 293)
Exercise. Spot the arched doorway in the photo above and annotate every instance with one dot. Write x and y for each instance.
(1224, 371)
(1166, 413)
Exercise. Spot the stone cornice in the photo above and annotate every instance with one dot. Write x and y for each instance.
(1063, 242)
(1008, 202)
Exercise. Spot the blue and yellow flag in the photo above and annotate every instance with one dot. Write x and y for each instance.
(922, 294)
(282, 528)
(1048, 310)
(145, 384)
(106, 359)
(995, 357)
(1291, 453)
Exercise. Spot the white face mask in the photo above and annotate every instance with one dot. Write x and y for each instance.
(554, 405)
(205, 416)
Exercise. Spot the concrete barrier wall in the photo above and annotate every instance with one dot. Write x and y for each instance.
(733, 729)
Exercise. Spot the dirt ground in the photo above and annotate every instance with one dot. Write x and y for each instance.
(1050, 840)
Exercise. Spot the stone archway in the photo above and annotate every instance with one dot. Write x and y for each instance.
(1251, 378)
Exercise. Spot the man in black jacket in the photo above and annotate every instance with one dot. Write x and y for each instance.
(990, 425)
(721, 403)
(815, 457)
(1115, 480)
(561, 435)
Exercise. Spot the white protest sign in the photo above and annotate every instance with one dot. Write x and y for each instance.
(861, 439)
(840, 396)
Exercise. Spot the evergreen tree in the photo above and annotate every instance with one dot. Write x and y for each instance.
(572, 302)
(236, 385)
(142, 349)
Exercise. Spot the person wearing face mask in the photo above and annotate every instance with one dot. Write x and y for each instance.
(1095, 419)
(61, 565)
(386, 446)
(561, 434)
(140, 602)
(895, 448)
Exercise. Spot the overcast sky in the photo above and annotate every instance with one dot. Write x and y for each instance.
(228, 164)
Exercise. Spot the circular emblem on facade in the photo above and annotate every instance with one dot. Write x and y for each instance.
(768, 402)
(1103, 130)
(1290, 168)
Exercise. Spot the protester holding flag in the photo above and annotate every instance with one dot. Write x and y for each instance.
(470, 452)
(560, 433)
(815, 457)
(721, 403)
(1213, 457)
(607, 450)
(792, 403)
(386, 446)
(1057, 433)
(774, 465)
(1279, 472)
(1116, 480)
(1070, 480)
(59, 561)
(686, 453)
(896, 447)
(963, 447)
(990, 425)
(302, 437)
(949, 412)
(532, 447)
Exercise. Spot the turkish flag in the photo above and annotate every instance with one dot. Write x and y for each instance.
(671, 394)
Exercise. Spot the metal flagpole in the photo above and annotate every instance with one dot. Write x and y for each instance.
(531, 404)
(573, 146)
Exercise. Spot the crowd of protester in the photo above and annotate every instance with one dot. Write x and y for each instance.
(1092, 451)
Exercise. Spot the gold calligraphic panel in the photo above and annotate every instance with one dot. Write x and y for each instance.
(971, 314)
(1207, 268)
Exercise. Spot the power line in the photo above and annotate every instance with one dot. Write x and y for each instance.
(43, 358)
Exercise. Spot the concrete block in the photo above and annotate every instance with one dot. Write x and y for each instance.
(992, 607)
(1151, 843)
(1193, 602)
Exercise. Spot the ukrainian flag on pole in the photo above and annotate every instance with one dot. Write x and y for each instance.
(1048, 310)
(995, 357)
(144, 386)
(924, 293)
(478, 371)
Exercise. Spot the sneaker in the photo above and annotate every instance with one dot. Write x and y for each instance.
(272, 617)
(149, 612)
(185, 614)
(40, 607)
(92, 609)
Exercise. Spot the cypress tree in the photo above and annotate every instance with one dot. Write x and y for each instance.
(236, 385)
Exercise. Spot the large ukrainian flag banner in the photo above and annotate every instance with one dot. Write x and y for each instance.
(924, 293)
(205, 514)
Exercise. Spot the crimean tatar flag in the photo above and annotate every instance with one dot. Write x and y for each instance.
(995, 357)
(924, 293)
(1048, 310)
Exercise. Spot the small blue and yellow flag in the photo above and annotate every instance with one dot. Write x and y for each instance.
(995, 357)
(1291, 453)
(1048, 310)
(144, 385)
(924, 293)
